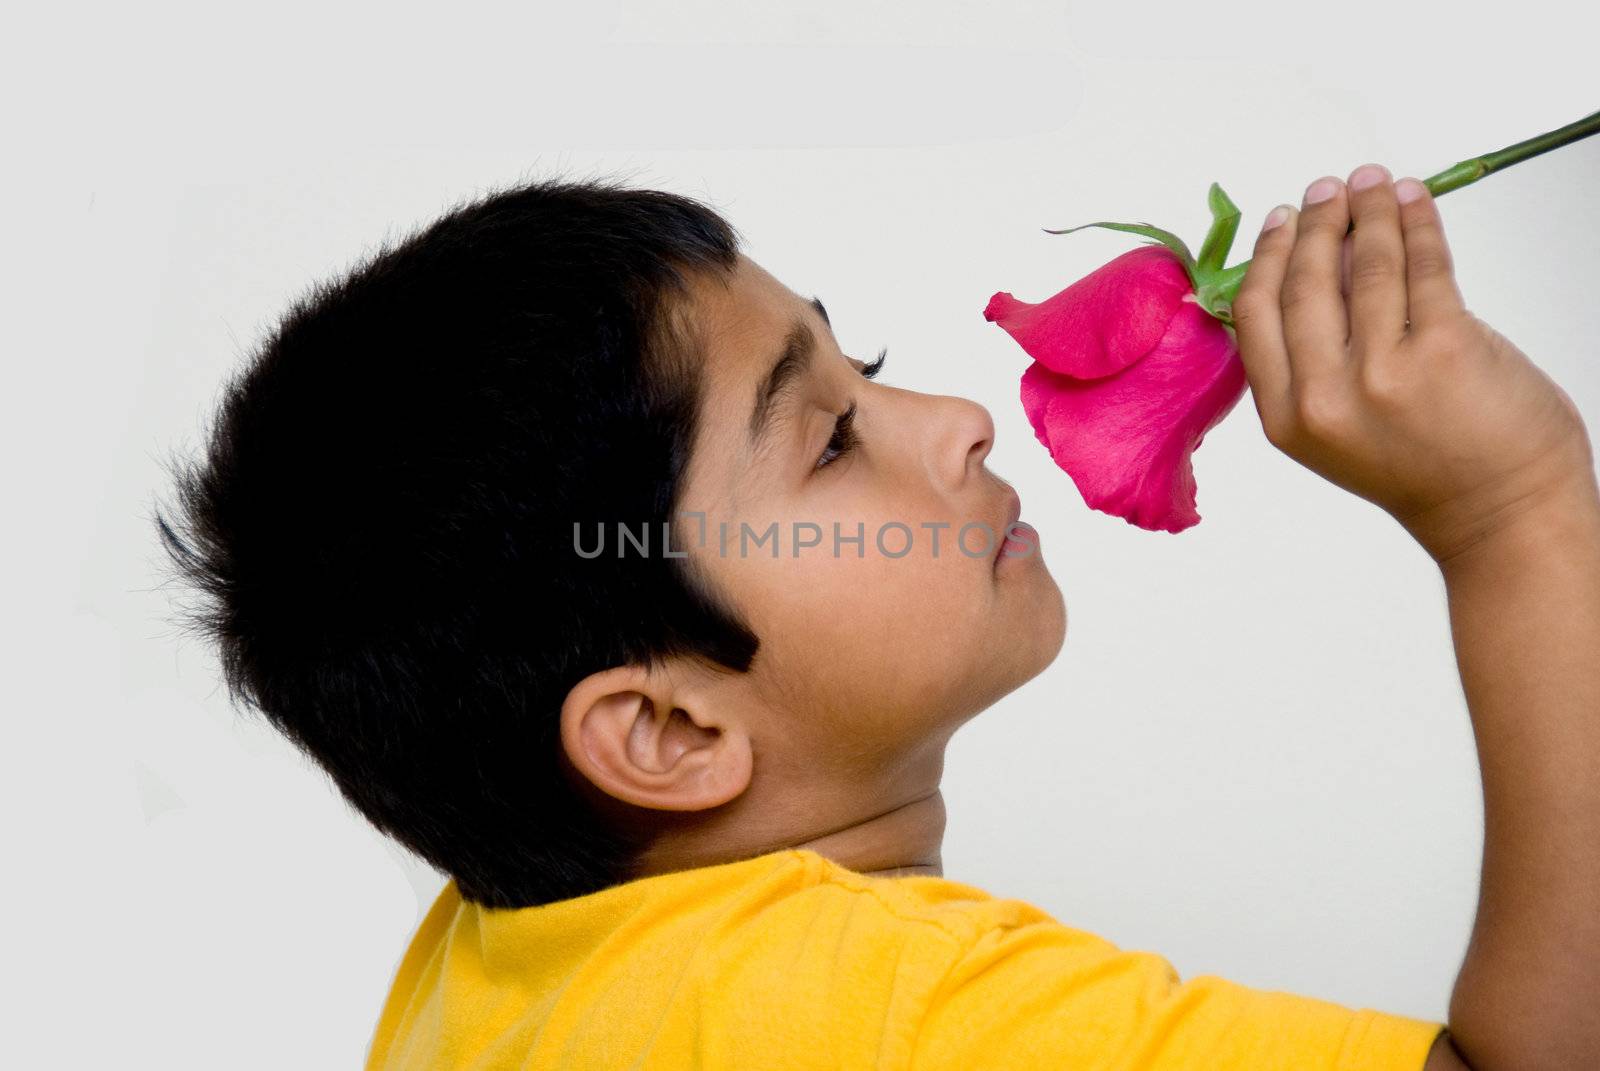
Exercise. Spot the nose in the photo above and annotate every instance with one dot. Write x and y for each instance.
(963, 435)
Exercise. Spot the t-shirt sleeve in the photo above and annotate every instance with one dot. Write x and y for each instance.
(1044, 995)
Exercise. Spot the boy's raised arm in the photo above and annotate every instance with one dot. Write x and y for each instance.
(1366, 367)
(1525, 616)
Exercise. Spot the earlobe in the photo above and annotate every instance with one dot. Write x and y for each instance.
(640, 739)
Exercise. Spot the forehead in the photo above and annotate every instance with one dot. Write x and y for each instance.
(743, 317)
(742, 314)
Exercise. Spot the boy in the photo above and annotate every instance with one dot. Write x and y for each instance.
(567, 540)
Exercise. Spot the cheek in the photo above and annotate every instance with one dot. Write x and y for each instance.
(911, 582)
(881, 625)
(890, 635)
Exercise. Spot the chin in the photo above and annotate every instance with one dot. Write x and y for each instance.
(1036, 631)
(1049, 627)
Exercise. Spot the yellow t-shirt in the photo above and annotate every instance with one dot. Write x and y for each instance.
(790, 961)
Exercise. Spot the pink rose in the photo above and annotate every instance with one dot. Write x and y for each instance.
(1129, 373)
(1135, 362)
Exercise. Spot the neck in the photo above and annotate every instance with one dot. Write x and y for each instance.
(906, 839)
(903, 840)
(902, 833)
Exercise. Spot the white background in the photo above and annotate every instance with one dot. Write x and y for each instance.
(1252, 756)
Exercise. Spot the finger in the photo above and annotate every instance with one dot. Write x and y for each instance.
(1377, 304)
(1258, 316)
(1315, 326)
(1431, 291)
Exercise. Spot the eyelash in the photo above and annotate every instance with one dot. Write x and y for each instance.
(844, 438)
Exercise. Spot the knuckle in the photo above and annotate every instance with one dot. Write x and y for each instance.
(1300, 288)
(1428, 261)
(1374, 267)
(1383, 380)
(1415, 221)
(1320, 412)
(1249, 309)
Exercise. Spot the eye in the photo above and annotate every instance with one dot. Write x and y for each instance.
(871, 371)
(843, 439)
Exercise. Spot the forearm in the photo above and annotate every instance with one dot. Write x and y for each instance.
(1525, 618)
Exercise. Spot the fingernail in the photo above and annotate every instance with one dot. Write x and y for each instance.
(1275, 217)
(1367, 175)
(1408, 190)
(1321, 190)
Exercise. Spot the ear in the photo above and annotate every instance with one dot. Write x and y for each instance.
(645, 738)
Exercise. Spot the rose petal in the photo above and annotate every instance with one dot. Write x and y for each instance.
(1126, 440)
(1105, 321)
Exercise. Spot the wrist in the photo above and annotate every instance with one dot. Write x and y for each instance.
(1561, 517)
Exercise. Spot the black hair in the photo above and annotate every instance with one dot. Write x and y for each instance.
(381, 528)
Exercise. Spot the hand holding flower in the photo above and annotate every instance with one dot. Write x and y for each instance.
(1398, 394)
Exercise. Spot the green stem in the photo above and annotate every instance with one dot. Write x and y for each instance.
(1458, 175)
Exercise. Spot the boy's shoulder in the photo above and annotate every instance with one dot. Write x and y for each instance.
(979, 980)
(948, 917)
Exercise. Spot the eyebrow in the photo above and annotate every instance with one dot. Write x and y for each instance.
(791, 363)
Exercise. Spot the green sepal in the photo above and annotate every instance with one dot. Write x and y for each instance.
(1166, 238)
(1214, 286)
(1214, 297)
(1224, 225)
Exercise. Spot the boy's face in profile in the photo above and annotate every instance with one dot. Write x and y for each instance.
(871, 653)
(863, 653)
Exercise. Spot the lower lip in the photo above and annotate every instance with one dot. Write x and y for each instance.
(1018, 548)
